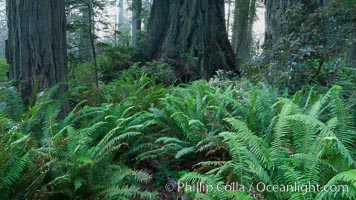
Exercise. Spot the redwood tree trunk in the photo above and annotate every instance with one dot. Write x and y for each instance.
(242, 28)
(121, 18)
(228, 16)
(84, 43)
(37, 54)
(274, 10)
(186, 29)
(136, 19)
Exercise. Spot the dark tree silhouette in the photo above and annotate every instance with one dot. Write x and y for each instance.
(36, 47)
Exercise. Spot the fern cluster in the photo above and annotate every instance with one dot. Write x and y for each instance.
(82, 156)
(144, 136)
(311, 141)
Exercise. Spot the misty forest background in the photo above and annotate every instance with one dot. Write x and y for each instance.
(117, 99)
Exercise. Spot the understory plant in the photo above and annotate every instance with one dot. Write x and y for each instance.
(311, 142)
(208, 134)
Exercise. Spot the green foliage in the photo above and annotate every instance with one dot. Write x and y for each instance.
(3, 69)
(112, 60)
(14, 157)
(83, 74)
(191, 117)
(71, 158)
(346, 178)
(139, 131)
(87, 151)
(311, 142)
(140, 135)
(312, 49)
(159, 71)
(118, 190)
(21, 131)
(142, 92)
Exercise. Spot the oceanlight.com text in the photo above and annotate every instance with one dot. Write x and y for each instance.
(259, 187)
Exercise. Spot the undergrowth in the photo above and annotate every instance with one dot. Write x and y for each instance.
(142, 135)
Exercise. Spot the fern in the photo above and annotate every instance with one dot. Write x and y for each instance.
(11, 103)
(198, 133)
(324, 132)
(13, 173)
(185, 151)
(346, 183)
(104, 147)
(124, 184)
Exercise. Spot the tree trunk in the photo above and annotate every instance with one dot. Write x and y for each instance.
(90, 30)
(146, 10)
(242, 29)
(3, 28)
(84, 43)
(37, 53)
(147, 5)
(274, 9)
(121, 25)
(228, 16)
(136, 19)
(181, 30)
(351, 55)
(121, 19)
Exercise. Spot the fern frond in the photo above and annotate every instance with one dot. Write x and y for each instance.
(13, 171)
(324, 132)
(255, 144)
(13, 105)
(346, 184)
(280, 140)
(105, 146)
(166, 140)
(319, 106)
(184, 151)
